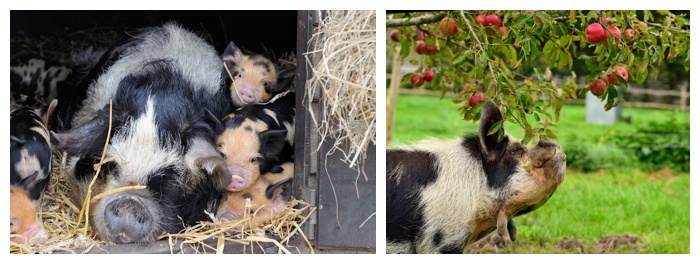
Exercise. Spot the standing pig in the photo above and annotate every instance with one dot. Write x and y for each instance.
(443, 195)
(24, 223)
(155, 96)
(255, 78)
(256, 139)
(30, 150)
(268, 197)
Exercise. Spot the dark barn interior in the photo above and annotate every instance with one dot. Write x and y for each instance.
(272, 33)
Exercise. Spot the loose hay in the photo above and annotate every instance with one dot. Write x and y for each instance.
(343, 71)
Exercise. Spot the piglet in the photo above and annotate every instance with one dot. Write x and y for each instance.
(25, 226)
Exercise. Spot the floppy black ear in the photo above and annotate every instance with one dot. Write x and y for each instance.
(232, 56)
(272, 143)
(280, 192)
(216, 124)
(490, 115)
(86, 139)
(285, 75)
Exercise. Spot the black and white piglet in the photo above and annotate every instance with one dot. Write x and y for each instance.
(30, 150)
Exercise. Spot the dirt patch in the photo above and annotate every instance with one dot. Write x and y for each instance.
(607, 244)
(571, 244)
(490, 244)
(611, 243)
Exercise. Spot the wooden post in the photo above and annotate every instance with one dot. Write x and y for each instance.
(684, 96)
(393, 94)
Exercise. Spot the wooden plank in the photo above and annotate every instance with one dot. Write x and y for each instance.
(347, 202)
(305, 180)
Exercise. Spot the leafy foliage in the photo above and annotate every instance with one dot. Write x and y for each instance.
(479, 59)
(660, 144)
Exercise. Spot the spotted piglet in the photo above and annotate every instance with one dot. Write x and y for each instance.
(25, 226)
(262, 201)
(30, 150)
(256, 139)
(255, 78)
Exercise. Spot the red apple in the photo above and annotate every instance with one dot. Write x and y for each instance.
(428, 76)
(631, 35)
(432, 49)
(615, 31)
(492, 19)
(622, 72)
(395, 35)
(480, 19)
(502, 30)
(475, 99)
(597, 87)
(608, 20)
(416, 80)
(642, 25)
(448, 30)
(419, 36)
(595, 33)
(421, 47)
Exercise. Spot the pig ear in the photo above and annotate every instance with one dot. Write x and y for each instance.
(280, 193)
(86, 139)
(206, 163)
(272, 142)
(285, 75)
(214, 122)
(232, 56)
(490, 115)
(26, 182)
(47, 111)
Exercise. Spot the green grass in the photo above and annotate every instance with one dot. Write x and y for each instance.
(587, 206)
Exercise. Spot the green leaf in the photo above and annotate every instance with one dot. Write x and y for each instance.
(537, 117)
(495, 128)
(461, 57)
(405, 48)
(438, 78)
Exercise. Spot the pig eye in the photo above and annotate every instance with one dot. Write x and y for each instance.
(240, 75)
(266, 84)
(255, 160)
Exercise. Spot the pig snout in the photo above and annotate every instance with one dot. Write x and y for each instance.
(239, 179)
(229, 216)
(34, 234)
(128, 219)
(37, 234)
(247, 94)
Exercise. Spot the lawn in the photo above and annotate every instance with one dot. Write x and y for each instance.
(644, 212)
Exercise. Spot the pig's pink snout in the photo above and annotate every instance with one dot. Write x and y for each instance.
(237, 183)
(247, 95)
